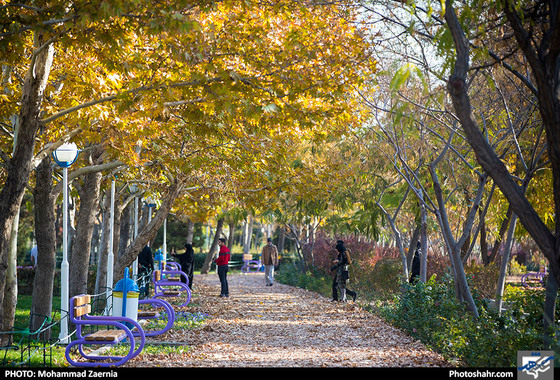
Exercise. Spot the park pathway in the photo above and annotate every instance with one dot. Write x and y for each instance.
(283, 326)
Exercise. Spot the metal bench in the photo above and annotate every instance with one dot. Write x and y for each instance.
(250, 265)
(154, 313)
(80, 307)
(537, 276)
(167, 284)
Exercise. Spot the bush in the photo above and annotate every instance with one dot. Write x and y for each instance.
(380, 280)
(483, 278)
(430, 312)
(314, 280)
(374, 272)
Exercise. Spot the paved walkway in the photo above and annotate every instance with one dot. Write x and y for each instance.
(283, 326)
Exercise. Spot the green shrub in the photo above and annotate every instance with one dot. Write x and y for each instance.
(313, 280)
(430, 312)
(483, 278)
(381, 280)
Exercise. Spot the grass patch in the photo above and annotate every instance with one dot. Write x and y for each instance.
(183, 320)
(149, 349)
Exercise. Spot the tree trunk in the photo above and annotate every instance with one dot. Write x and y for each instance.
(124, 228)
(190, 231)
(10, 290)
(19, 167)
(43, 284)
(281, 239)
(483, 239)
(499, 238)
(248, 234)
(412, 246)
(398, 239)
(231, 233)
(505, 260)
(149, 231)
(89, 205)
(423, 243)
(457, 87)
(454, 246)
(294, 230)
(549, 334)
(213, 248)
(101, 278)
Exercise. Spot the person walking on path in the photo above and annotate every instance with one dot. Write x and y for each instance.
(341, 264)
(187, 263)
(34, 256)
(269, 257)
(222, 262)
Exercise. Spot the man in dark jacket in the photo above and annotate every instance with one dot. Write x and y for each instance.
(187, 264)
(146, 261)
(415, 272)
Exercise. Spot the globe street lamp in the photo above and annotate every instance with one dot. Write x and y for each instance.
(65, 156)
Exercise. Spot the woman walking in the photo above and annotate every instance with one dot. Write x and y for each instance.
(341, 264)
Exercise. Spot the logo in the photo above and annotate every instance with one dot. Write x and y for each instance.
(535, 365)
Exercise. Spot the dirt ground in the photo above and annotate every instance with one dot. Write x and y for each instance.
(283, 326)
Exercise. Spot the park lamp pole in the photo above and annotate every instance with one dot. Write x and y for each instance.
(111, 256)
(151, 203)
(133, 189)
(65, 156)
(165, 238)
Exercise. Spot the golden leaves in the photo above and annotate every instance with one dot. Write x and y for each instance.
(223, 93)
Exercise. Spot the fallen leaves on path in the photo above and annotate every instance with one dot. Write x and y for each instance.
(283, 326)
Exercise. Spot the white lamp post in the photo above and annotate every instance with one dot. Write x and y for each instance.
(151, 203)
(165, 238)
(110, 256)
(133, 188)
(65, 156)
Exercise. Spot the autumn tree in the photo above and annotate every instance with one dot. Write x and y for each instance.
(534, 28)
(520, 39)
(177, 91)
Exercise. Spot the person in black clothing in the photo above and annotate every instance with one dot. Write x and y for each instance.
(146, 258)
(341, 264)
(146, 262)
(187, 264)
(415, 270)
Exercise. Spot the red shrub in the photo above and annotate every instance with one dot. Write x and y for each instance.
(367, 253)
